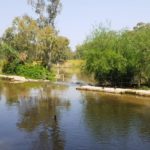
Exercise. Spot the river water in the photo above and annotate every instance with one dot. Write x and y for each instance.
(55, 116)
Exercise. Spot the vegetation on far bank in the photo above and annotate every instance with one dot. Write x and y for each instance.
(29, 47)
(118, 58)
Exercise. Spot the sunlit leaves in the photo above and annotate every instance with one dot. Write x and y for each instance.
(34, 43)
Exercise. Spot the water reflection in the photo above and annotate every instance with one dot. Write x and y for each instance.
(37, 106)
(84, 120)
(115, 121)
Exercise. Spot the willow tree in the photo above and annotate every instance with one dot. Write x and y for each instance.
(118, 58)
(47, 10)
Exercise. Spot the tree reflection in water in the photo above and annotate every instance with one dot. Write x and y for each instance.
(115, 119)
(37, 106)
(94, 120)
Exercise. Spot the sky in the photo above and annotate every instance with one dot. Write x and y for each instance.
(78, 17)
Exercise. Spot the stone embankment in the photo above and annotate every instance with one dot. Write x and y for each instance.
(116, 90)
(19, 79)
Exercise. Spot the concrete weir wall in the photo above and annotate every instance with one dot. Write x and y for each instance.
(115, 90)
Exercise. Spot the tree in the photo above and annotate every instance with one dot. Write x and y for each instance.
(47, 10)
(21, 36)
(141, 43)
(118, 58)
(102, 57)
(61, 51)
(46, 41)
(34, 43)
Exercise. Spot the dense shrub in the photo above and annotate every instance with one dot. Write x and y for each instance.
(35, 72)
(28, 71)
(118, 58)
(10, 67)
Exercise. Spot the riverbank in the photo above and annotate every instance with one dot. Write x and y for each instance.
(116, 90)
(19, 79)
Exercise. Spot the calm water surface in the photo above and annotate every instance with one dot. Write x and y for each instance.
(85, 120)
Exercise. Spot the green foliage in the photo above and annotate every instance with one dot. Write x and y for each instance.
(118, 58)
(10, 68)
(34, 72)
(28, 70)
(29, 42)
(7, 52)
(61, 52)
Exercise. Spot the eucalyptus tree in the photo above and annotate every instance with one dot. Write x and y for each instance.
(21, 36)
(47, 10)
(61, 51)
(33, 43)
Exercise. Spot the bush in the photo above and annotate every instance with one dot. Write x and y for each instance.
(118, 58)
(28, 71)
(2, 62)
(34, 72)
(10, 67)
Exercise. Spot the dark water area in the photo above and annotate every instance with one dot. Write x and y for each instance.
(55, 116)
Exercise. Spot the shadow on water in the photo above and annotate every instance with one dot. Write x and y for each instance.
(55, 116)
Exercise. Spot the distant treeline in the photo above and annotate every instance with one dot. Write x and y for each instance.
(118, 58)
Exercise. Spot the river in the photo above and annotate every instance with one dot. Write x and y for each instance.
(55, 116)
